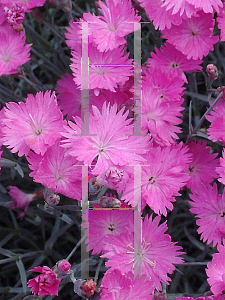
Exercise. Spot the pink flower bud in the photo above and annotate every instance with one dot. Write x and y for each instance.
(64, 266)
(88, 287)
(219, 90)
(85, 288)
(52, 200)
(212, 71)
(109, 202)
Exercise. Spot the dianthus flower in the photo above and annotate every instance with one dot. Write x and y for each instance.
(181, 7)
(73, 36)
(162, 176)
(69, 96)
(21, 200)
(34, 125)
(221, 169)
(208, 6)
(110, 144)
(160, 16)
(216, 117)
(44, 284)
(216, 271)
(13, 51)
(56, 171)
(160, 117)
(154, 254)
(103, 223)
(193, 37)
(209, 208)
(173, 61)
(221, 22)
(117, 21)
(27, 5)
(106, 69)
(115, 286)
(211, 297)
(202, 168)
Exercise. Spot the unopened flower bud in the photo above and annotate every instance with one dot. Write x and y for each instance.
(94, 186)
(85, 288)
(52, 200)
(64, 266)
(61, 268)
(160, 296)
(109, 202)
(212, 71)
(66, 5)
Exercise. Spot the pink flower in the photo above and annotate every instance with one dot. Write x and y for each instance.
(14, 14)
(216, 271)
(173, 62)
(13, 51)
(216, 117)
(209, 208)
(154, 253)
(115, 286)
(207, 6)
(56, 171)
(110, 144)
(221, 22)
(159, 15)
(160, 115)
(193, 37)
(20, 199)
(202, 168)
(27, 5)
(183, 7)
(117, 21)
(103, 223)
(221, 169)
(44, 284)
(162, 176)
(107, 70)
(34, 125)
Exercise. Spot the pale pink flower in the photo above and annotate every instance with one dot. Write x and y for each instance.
(103, 223)
(115, 286)
(209, 208)
(44, 284)
(118, 20)
(34, 125)
(221, 22)
(154, 253)
(216, 271)
(107, 70)
(193, 37)
(160, 16)
(56, 171)
(208, 6)
(110, 142)
(162, 176)
(216, 117)
(202, 168)
(73, 36)
(13, 51)
(21, 200)
(173, 61)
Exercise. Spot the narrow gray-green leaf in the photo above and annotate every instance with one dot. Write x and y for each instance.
(7, 252)
(23, 275)
(11, 164)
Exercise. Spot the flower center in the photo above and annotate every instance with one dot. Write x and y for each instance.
(151, 180)
(111, 227)
(175, 65)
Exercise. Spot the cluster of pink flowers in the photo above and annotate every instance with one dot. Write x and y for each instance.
(93, 121)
